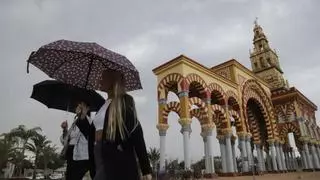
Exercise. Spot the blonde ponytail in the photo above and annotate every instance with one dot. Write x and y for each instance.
(115, 116)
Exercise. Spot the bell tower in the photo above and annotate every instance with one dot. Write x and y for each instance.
(265, 61)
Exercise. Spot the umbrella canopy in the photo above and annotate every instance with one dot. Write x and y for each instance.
(82, 63)
(65, 97)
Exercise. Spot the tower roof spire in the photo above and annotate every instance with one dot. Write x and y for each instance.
(258, 31)
(256, 21)
(264, 60)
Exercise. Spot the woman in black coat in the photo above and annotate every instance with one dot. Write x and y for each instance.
(79, 143)
(120, 145)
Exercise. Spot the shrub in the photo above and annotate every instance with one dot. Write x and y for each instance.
(187, 174)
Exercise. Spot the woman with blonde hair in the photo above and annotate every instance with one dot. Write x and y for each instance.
(120, 144)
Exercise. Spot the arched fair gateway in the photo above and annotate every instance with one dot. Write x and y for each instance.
(258, 104)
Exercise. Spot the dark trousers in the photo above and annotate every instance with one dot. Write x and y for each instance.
(100, 172)
(77, 169)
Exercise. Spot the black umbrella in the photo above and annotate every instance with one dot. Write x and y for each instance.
(65, 97)
(82, 63)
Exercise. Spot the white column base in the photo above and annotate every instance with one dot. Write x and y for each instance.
(308, 158)
(282, 157)
(304, 159)
(315, 157)
(210, 152)
(162, 151)
(269, 161)
(230, 167)
(206, 157)
(186, 130)
(244, 156)
(223, 154)
(318, 151)
(209, 161)
(249, 152)
(273, 157)
(234, 157)
(279, 161)
(258, 149)
(288, 160)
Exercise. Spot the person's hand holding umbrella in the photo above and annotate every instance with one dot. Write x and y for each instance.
(64, 125)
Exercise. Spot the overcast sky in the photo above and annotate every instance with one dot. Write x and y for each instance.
(150, 33)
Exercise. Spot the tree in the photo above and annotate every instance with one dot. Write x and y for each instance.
(49, 158)
(24, 135)
(172, 167)
(56, 162)
(37, 146)
(13, 146)
(197, 168)
(47, 154)
(182, 165)
(199, 165)
(217, 163)
(154, 156)
(7, 148)
(18, 160)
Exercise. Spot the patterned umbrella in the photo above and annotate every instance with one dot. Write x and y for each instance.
(82, 63)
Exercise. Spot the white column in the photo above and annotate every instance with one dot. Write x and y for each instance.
(273, 155)
(207, 134)
(162, 133)
(291, 160)
(258, 148)
(230, 166)
(304, 159)
(210, 151)
(206, 156)
(269, 161)
(311, 156)
(315, 157)
(300, 121)
(318, 150)
(282, 157)
(223, 153)
(294, 160)
(186, 130)
(288, 160)
(279, 161)
(249, 152)
(234, 155)
(307, 153)
(243, 150)
(263, 160)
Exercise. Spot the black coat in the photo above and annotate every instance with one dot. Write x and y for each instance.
(121, 157)
(88, 130)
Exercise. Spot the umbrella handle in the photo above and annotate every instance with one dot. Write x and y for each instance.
(28, 61)
(28, 67)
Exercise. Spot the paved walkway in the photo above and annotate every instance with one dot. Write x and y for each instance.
(286, 176)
